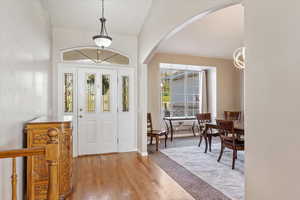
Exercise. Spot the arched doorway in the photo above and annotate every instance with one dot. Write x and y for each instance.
(155, 31)
(151, 66)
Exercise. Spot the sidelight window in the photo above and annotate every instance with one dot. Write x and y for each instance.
(68, 92)
(125, 93)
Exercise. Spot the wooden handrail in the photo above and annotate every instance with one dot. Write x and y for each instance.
(51, 152)
(22, 152)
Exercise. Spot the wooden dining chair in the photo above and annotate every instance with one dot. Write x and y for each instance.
(230, 115)
(202, 119)
(155, 133)
(229, 139)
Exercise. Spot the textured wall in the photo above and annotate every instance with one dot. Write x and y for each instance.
(25, 39)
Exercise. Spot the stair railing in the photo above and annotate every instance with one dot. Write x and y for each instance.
(51, 152)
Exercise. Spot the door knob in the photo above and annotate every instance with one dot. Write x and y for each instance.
(80, 116)
(80, 109)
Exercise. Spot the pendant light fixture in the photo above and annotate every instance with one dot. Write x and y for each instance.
(102, 40)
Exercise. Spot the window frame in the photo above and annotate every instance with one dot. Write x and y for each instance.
(185, 93)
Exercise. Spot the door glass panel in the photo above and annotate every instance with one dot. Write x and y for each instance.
(90, 93)
(68, 92)
(125, 93)
(106, 93)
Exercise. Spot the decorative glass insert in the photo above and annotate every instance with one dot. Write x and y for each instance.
(125, 93)
(68, 92)
(106, 93)
(94, 55)
(90, 93)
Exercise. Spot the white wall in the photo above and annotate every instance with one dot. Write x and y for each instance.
(25, 80)
(272, 102)
(64, 38)
(212, 96)
(142, 110)
(242, 93)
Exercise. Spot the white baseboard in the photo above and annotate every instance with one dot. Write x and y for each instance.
(131, 150)
(143, 153)
(128, 150)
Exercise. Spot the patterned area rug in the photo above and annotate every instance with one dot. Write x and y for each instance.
(205, 166)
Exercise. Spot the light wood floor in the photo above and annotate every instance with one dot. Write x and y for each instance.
(125, 176)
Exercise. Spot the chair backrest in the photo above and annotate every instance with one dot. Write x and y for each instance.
(230, 115)
(227, 130)
(203, 118)
(167, 126)
(149, 122)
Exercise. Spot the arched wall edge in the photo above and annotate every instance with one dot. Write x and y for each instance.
(146, 52)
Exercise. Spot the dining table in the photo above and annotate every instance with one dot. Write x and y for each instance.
(179, 118)
(238, 128)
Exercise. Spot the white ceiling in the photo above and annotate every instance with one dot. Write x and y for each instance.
(124, 16)
(216, 35)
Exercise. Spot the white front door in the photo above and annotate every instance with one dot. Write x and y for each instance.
(101, 100)
(97, 111)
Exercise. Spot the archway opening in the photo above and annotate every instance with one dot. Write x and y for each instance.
(176, 92)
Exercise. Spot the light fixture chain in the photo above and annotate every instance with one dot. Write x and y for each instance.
(103, 39)
(102, 8)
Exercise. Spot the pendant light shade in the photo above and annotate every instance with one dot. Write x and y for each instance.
(102, 40)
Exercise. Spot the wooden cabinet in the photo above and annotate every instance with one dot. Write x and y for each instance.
(37, 170)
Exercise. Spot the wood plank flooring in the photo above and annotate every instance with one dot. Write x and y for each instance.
(125, 176)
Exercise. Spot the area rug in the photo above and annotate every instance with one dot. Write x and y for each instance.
(205, 166)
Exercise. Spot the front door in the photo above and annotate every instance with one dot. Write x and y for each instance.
(97, 111)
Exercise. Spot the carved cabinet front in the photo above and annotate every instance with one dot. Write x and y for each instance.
(37, 168)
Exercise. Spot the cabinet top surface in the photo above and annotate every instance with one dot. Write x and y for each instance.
(51, 119)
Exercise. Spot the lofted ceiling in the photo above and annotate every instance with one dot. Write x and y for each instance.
(216, 35)
(124, 16)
